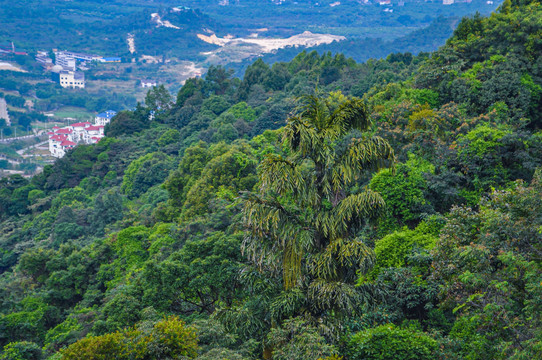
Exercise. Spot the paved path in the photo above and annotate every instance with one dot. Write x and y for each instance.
(21, 152)
(7, 140)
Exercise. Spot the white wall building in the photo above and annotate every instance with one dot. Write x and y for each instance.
(105, 117)
(65, 60)
(63, 139)
(59, 144)
(73, 79)
(148, 83)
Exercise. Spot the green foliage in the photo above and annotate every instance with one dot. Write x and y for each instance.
(158, 99)
(166, 339)
(126, 122)
(22, 350)
(242, 111)
(201, 275)
(131, 245)
(143, 173)
(393, 249)
(481, 141)
(393, 343)
(403, 190)
(215, 104)
(300, 224)
(297, 339)
(150, 223)
(169, 137)
(26, 324)
(232, 167)
(494, 254)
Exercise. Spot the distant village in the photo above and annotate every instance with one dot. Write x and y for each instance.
(69, 66)
(66, 138)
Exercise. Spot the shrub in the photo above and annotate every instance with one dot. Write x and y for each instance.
(167, 339)
(393, 249)
(387, 342)
(22, 350)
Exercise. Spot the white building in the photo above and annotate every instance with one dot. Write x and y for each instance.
(73, 79)
(65, 60)
(43, 58)
(82, 57)
(59, 144)
(105, 117)
(79, 130)
(148, 83)
(63, 139)
(93, 134)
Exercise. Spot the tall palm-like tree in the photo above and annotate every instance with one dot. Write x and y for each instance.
(302, 225)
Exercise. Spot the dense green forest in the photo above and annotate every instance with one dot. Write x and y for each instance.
(313, 209)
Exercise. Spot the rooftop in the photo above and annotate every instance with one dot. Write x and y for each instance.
(67, 143)
(107, 114)
(81, 124)
(64, 131)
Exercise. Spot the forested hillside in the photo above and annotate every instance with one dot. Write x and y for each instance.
(314, 209)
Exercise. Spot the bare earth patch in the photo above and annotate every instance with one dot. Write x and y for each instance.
(8, 66)
(237, 49)
(306, 39)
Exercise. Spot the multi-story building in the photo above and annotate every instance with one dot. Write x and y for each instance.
(63, 139)
(73, 79)
(59, 144)
(43, 58)
(105, 117)
(67, 62)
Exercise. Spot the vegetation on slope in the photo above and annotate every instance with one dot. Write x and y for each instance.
(220, 222)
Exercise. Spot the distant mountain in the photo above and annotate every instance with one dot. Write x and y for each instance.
(165, 28)
(422, 40)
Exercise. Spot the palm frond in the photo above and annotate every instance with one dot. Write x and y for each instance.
(353, 209)
(287, 304)
(279, 175)
(336, 295)
(351, 115)
(372, 153)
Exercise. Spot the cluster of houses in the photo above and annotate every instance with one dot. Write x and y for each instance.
(65, 70)
(63, 139)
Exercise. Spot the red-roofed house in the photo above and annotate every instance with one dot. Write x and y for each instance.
(55, 147)
(93, 131)
(67, 144)
(64, 131)
(79, 130)
(81, 124)
(95, 139)
(63, 139)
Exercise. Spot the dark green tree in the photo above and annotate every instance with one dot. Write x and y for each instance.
(302, 226)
